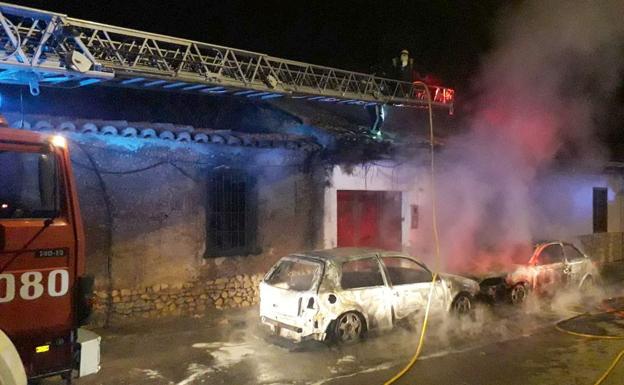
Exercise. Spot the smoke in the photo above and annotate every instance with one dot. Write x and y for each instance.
(539, 93)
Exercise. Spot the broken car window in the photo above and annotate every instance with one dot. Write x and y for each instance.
(295, 274)
(551, 254)
(572, 254)
(361, 273)
(403, 271)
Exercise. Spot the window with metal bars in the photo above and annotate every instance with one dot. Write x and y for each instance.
(231, 214)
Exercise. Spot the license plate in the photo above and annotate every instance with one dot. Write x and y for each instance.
(52, 253)
(291, 335)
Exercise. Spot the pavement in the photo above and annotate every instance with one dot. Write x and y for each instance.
(499, 345)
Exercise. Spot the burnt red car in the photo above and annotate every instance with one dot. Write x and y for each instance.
(553, 266)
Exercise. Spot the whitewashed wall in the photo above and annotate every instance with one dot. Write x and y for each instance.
(566, 198)
(378, 176)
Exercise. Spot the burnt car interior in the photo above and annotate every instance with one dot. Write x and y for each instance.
(402, 271)
(294, 275)
(361, 273)
(550, 254)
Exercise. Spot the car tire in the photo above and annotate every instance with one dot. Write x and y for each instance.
(461, 305)
(348, 328)
(518, 294)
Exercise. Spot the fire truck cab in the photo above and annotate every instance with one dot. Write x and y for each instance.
(45, 295)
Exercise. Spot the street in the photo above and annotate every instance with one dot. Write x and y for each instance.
(500, 345)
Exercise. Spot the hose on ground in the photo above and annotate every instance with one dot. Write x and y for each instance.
(617, 359)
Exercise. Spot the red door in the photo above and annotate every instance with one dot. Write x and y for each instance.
(369, 219)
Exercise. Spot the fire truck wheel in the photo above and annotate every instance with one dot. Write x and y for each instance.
(67, 378)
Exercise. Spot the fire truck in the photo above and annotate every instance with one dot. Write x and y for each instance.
(45, 295)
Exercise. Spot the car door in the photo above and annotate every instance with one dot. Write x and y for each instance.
(364, 289)
(410, 283)
(577, 264)
(550, 266)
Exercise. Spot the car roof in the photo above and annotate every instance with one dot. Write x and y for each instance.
(342, 254)
(539, 243)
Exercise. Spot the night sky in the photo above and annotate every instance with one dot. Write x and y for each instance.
(445, 37)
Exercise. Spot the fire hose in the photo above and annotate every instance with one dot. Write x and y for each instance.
(617, 358)
(436, 241)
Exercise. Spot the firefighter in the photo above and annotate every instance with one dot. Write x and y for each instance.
(403, 67)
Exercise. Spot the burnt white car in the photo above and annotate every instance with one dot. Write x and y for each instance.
(553, 265)
(340, 294)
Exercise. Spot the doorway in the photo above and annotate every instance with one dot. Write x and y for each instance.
(369, 219)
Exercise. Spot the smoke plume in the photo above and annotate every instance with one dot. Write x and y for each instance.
(539, 92)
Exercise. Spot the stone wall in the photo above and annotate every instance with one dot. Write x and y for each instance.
(162, 300)
(144, 204)
(148, 227)
(604, 247)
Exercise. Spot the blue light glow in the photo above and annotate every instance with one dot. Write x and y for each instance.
(56, 79)
(86, 82)
(271, 96)
(134, 80)
(194, 87)
(212, 89)
(247, 92)
(154, 83)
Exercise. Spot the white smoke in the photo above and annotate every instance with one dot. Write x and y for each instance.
(539, 94)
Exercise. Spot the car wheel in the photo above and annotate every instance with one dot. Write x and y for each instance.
(518, 294)
(348, 328)
(462, 304)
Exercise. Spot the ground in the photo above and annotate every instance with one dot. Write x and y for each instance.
(499, 345)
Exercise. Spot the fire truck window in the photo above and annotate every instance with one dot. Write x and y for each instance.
(29, 187)
(361, 273)
(551, 254)
(404, 271)
(572, 254)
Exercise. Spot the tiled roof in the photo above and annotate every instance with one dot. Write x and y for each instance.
(162, 131)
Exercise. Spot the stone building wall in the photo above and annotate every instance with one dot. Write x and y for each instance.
(603, 248)
(144, 201)
(150, 227)
(163, 300)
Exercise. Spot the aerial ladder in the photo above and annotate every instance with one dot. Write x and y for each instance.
(41, 48)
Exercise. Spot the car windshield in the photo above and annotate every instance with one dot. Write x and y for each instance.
(28, 187)
(296, 274)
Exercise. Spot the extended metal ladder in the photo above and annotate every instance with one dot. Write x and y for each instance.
(41, 47)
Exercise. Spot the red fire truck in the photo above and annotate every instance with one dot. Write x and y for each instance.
(44, 292)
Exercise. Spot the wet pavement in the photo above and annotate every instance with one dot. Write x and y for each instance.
(499, 345)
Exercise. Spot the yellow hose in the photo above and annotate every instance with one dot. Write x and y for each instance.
(595, 336)
(608, 371)
(420, 341)
(436, 241)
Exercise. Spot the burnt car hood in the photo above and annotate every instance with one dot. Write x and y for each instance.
(460, 283)
(498, 273)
